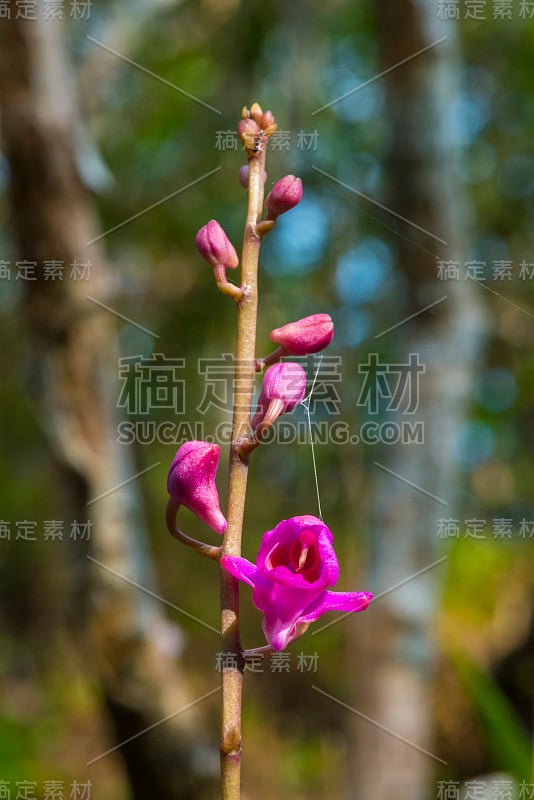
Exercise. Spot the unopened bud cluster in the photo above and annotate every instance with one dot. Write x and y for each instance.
(255, 127)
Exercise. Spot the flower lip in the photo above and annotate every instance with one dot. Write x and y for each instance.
(301, 557)
(283, 547)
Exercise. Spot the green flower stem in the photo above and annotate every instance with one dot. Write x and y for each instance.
(247, 446)
(224, 285)
(247, 308)
(272, 358)
(207, 550)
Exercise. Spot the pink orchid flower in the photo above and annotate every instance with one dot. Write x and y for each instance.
(296, 564)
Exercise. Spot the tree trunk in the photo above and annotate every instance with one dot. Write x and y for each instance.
(393, 653)
(131, 646)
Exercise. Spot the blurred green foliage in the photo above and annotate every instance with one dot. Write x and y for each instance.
(150, 141)
(509, 743)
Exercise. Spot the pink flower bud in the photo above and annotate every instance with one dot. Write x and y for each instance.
(243, 176)
(285, 195)
(215, 246)
(294, 570)
(267, 120)
(306, 336)
(283, 388)
(264, 119)
(256, 113)
(248, 131)
(191, 482)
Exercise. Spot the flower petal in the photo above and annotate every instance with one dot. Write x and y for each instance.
(240, 568)
(336, 601)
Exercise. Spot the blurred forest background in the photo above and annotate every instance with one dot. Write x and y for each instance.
(411, 125)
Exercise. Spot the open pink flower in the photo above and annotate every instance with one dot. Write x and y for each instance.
(191, 482)
(296, 563)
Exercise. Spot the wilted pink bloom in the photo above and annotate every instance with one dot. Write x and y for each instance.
(306, 336)
(191, 482)
(215, 247)
(283, 388)
(285, 195)
(296, 564)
